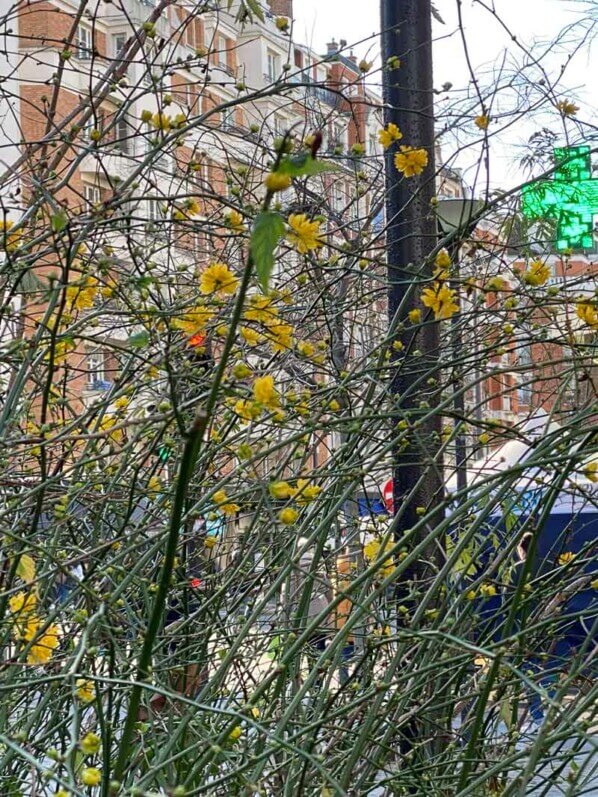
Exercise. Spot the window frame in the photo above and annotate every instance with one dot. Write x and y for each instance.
(84, 48)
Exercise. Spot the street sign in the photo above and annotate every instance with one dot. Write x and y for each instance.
(570, 198)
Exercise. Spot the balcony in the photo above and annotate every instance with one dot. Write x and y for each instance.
(114, 162)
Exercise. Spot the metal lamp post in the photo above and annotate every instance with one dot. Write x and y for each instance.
(458, 217)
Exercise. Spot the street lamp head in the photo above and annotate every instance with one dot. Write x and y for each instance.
(458, 214)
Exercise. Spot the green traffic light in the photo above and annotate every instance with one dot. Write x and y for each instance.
(571, 198)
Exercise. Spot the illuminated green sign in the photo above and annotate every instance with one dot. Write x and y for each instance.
(570, 198)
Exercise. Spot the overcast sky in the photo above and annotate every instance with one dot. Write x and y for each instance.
(534, 22)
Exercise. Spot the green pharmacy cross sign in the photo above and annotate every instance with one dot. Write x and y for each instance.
(570, 198)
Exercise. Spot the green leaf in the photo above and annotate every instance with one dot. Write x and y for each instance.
(251, 7)
(304, 165)
(268, 229)
(139, 340)
(26, 568)
(59, 221)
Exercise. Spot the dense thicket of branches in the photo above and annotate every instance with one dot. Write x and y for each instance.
(195, 359)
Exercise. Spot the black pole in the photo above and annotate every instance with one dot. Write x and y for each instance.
(458, 382)
(411, 234)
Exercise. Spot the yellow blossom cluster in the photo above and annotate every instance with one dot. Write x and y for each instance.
(588, 313)
(225, 505)
(388, 135)
(303, 234)
(536, 274)
(218, 279)
(40, 638)
(373, 552)
(262, 310)
(9, 241)
(441, 299)
(411, 161)
(82, 295)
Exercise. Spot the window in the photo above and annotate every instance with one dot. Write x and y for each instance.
(221, 49)
(525, 389)
(272, 68)
(118, 42)
(84, 43)
(123, 139)
(96, 369)
(92, 194)
(228, 118)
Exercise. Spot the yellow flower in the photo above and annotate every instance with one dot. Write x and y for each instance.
(230, 508)
(307, 492)
(565, 558)
(333, 405)
(372, 551)
(44, 644)
(537, 273)
(280, 336)
(482, 121)
(442, 259)
(389, 134)
(194, 320)
(192, 207)
(154, 485)
(261, 309)
(488, 590)
(220, 497)
(588, 313)
(441, 300)
(281, 490)
(275, 181)
(288, 516)
(495, 284)
(122, 402)
(85, 690)
(247, 410)
(107, 425)
(304, 235)
(23, 603)
(411, 161)
(251, 336)
(218, 278)
(82, 296)
(591, 471)
(90, 743)
(234, 221)
(91, 776)
(484, 438)
(265, 393)
(10, 241)
(161, 121)
(236, 732)
(306, 348)
(567, 108)
(282, 23)
(415, 316)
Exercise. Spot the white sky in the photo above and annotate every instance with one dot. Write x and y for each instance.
(534, 22)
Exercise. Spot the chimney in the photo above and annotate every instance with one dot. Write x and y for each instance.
(332, 47)
(281, 8)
